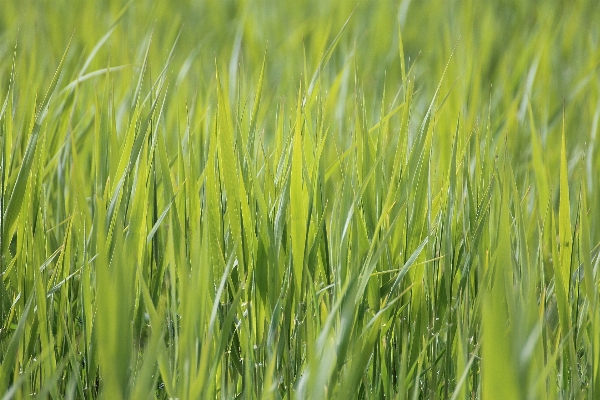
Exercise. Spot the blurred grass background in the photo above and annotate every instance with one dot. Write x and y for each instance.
(508, 52)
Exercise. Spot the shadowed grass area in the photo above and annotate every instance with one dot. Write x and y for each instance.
(240, 199)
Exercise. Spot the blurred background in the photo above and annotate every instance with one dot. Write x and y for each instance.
(508, 55)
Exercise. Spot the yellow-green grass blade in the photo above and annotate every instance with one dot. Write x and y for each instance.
(500, 380)
(298, 197)
(229, 170)
(15, 200)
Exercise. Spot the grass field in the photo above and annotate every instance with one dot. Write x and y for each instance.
(299, 199)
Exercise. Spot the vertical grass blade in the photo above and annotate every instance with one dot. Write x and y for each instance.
(298, 201)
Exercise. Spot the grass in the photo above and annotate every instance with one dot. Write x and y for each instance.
(303, 199)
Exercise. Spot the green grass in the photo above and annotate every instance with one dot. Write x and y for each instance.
(308, 199)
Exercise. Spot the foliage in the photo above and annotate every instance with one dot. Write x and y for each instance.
(308, 199)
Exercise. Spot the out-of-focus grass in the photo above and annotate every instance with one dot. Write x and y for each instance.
(306, 199)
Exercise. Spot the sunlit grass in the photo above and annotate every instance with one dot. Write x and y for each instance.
(304, 199)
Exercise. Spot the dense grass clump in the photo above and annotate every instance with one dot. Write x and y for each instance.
(303, 199)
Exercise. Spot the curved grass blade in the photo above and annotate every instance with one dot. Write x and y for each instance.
(16, 198)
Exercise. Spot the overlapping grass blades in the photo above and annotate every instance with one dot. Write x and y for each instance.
(300, 200)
